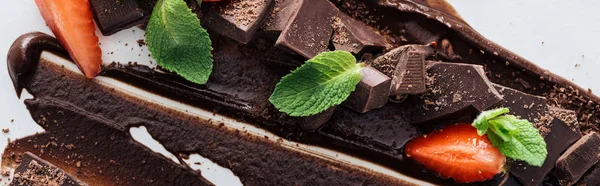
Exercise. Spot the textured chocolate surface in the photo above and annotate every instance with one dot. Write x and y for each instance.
(115, 15)
(96, 151)
(578, 159)
(355, 36)
(239, 19)
(409, 75)
(371, 92)
(35, 171)
(308, 31)
(283, 10)
(592, 177)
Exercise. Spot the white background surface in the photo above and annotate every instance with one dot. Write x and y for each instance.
(554, 34)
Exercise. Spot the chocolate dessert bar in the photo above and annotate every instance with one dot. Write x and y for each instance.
(429, 63)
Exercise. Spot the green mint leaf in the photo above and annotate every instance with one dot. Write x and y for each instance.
(178, 42)
(515, 138)
(323, 81)
(481, 122)
(527, 144)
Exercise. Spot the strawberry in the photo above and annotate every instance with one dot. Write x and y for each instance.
(457, 152)
(72, 23)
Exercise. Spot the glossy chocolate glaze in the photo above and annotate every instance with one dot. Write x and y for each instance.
(24, 55)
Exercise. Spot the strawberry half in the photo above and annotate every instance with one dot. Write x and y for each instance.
(72, 23)
(457, 152)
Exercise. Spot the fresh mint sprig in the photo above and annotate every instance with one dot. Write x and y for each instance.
(515, 138)
(323, 81)
(178, 42)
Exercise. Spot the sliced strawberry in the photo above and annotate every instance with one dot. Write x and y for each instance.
(457, 152)
(72, 23)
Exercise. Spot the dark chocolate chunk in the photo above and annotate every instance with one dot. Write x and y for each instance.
(35, 171)
(314, 122)
(309, 29)
(409, 75)
(372, 92)
(355, 36)
(279, 17)
(24, 55)
(112, 16)
(558, 139)
(387, 62)
(526, 106)
(453, 89)
(238, 20)
(592, 177)
(578, 159)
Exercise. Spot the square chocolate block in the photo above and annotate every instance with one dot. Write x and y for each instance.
(372, 92)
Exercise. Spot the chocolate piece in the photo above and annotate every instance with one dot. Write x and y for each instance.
(578, 159)
(24, 55)
(454, 89)
(355, 36)
(409, 75)
(308, 31)
(35, 171)
(279, 17)
(112, 16)
(312, 123)
(238, 20)
(372, 92)
(526, 106)
(558, 139)
(592, 177)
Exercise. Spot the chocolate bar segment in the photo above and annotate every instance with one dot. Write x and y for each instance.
(409, 75)
(578, 159)
(309, 29)
(236, 19)
(35, 171)
(372, 92)
(453, 89)
(406, 66)
(115, 15)
(355, 36)
(279, 17)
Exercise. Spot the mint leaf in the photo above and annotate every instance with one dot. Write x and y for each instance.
(323, 81)
(515, 138)
(481, 122)
(178, 42)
